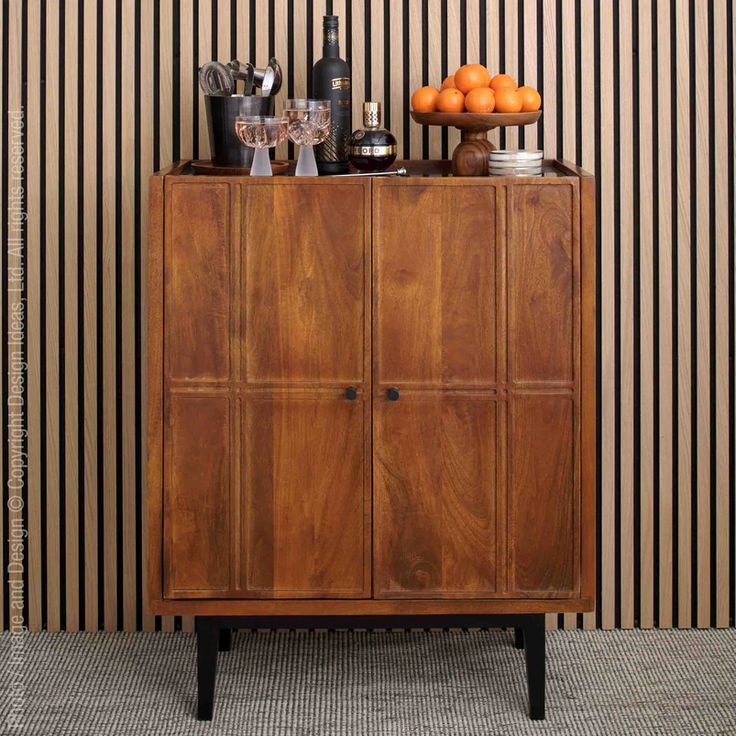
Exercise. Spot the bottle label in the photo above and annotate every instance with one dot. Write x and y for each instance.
(341, 83)
(387, 150)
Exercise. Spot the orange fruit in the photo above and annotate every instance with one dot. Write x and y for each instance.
(508, 100)
(451, 100)
(471, 76)
(480, 99)
(425, 99)
(531, 100)
(502, 81)
(449, 82)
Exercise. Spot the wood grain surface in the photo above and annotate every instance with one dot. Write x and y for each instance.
(303, 271)
(435, 300)
(304, 522)
(435, 479)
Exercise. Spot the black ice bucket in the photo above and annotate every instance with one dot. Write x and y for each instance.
(225, 146)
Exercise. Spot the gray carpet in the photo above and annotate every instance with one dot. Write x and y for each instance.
(375, 683)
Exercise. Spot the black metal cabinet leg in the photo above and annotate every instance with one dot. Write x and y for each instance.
(519, 638)
(534, 644)
(225, 641)
(207, 641)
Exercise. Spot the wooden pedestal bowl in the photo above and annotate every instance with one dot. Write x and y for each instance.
(470, 157)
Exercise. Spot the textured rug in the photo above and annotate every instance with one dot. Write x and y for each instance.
(392, 683)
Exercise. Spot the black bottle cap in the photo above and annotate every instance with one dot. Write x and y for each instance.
(330, 21)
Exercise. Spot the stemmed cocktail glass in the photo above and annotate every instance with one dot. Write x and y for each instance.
(308, 124)
(261, 133)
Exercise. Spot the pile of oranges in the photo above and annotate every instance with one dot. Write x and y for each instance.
(472, 89)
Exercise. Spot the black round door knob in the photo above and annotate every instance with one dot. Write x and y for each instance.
(351, 393)
(393, 394)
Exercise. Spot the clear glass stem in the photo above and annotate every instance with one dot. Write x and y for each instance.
(306, 165)
(261, 165)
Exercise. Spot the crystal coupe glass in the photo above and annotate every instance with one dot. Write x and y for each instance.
(308, 124)
(261, 133)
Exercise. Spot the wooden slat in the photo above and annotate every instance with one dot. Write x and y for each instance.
(242, 25)
(511, 61)
(300, 51)
(626, 322)
(723, 432)
(186, 69)
(435, 72)
(683, 288)
(396, 77)
(166, 83)
(71, 317)
(702, 346)
(473, 32)
(664, 204)
(588, 137)
(568, 80)
(529, 76)
(608, 399)
(91, 512)
(224, 52)
(109, 352)
(495, 63)
(281, 52)
(129, 146)
(146, 168)
(548, 23)
(319, 9)
(53, 537)
(35, 588)
(415, 70)
(646, 327)
(202, 55)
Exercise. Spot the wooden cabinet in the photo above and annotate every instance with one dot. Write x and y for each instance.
(371, 396)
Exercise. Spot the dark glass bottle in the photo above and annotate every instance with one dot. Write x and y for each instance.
(372, 148)
(331, 81)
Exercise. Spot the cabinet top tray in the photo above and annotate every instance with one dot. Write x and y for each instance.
(552, 168)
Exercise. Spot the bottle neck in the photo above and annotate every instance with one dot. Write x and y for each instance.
(330, 44)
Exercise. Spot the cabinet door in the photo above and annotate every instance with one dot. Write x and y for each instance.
(435, 448)
(266, 484)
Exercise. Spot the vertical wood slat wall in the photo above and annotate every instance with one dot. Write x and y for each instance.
(640, 92)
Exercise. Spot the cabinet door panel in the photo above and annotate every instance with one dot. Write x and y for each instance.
(435, 302)
(198, 283)
(435, 496)
(304, 283)
(305, 500)
(541, 272)
(543, 501)
(197, 496)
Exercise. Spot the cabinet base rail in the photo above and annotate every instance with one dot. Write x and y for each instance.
(214, 634)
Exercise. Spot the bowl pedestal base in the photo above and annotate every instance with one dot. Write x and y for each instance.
(470, 157)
